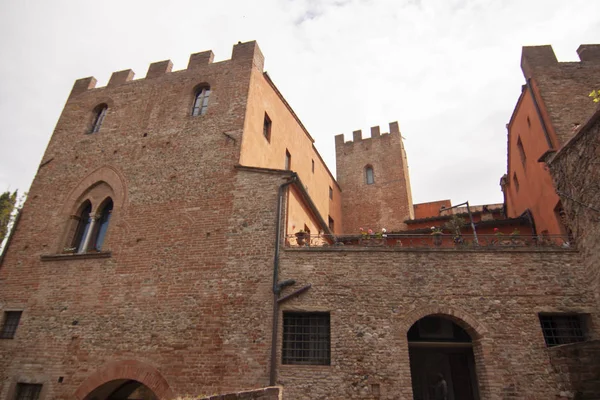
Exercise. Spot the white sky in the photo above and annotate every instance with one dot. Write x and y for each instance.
(447, 70)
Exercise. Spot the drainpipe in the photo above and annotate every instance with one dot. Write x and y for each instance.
(276, 285)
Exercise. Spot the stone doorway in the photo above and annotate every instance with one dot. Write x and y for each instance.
(122, 389)
(440, 349)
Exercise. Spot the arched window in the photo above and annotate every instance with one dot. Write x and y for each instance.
(201, 101)
(101, 225)
(100, 113)
(83, 227)
(369, 175)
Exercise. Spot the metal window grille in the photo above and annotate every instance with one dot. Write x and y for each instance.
(28, 391)
(561, 329)
(306, 338)
(99, 119)
(11, 322)
(201, 102)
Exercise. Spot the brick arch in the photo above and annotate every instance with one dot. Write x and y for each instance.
(126, 369)
(107, 174)
(463, 319)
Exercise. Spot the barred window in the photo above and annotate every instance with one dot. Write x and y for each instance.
(28, 391)
(306, 338)
(562, 329)
(10, 324)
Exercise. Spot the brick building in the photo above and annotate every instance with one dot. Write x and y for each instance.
(183, 237)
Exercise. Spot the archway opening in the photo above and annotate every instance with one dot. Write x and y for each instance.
(122, 389)
(442, 364)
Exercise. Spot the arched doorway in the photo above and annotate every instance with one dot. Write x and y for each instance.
(441, 360)
(122, 389)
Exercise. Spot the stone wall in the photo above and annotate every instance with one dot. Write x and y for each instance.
(576, 172)
(375, 295)
(577, 367)
(270, 393)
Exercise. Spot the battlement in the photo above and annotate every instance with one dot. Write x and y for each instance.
(543, 56)
(375, 133)
(242, 53)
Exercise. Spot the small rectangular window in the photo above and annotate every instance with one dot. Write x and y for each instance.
(267, 128)
(562, 329)
(369, 176)
(331, 224)
(313, 166)
(330, 193)
(28, 391)
(516, 182)
(10, 324)
(521, 152)
(306, 338)
(288, 160)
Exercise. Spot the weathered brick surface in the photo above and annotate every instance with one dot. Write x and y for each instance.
(270, 393)
(577, 367)
(576, 173)
(374, 296)
(387, 203)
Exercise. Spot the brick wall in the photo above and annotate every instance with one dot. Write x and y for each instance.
(270, 393)
(577, 367)
(576, 176)
(375, 295)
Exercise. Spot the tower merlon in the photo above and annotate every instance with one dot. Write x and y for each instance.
(394, 128)
(120, 77)
(536, 56)
(159, 68)
(357, 136)
(82, 85)
(201, 59)
(248, 52)
(375, 131)
(589, 52)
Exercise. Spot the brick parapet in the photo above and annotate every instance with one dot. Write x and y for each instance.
(269, 393)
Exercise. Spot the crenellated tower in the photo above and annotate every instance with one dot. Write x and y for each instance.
(373, 175)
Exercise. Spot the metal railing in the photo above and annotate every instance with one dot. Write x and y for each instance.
(398, 240)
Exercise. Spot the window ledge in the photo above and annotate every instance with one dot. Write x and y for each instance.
(75, 256)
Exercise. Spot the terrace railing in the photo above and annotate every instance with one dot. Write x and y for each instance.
(432, 241)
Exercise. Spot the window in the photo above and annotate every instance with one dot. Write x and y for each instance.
(528, 122)
(313, 166)
(330, 193)
(267, 128)
(561, 329)
(91, 230)
(330, 224)
(10, 324)
(28, 391)
(369, 176)
(201, 101)
(288, 160)
(521, 152)
(516, 181)
(100, 113)
(83, 227)
(306, 338)
(101, 225)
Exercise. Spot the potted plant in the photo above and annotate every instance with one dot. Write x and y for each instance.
(302, 237)
(437, 233)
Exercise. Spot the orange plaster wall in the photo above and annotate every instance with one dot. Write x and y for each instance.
(431, 209)
(298, 215)
(286, 133)
(536, 189)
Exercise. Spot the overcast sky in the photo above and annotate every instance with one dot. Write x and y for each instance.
(447, 70)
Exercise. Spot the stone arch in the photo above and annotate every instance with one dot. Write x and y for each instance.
(126, 369)
(463, 319)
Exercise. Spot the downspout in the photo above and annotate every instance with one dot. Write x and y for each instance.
(539, 113)
(276, 285)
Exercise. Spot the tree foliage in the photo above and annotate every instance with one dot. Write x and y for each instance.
(8, 202)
